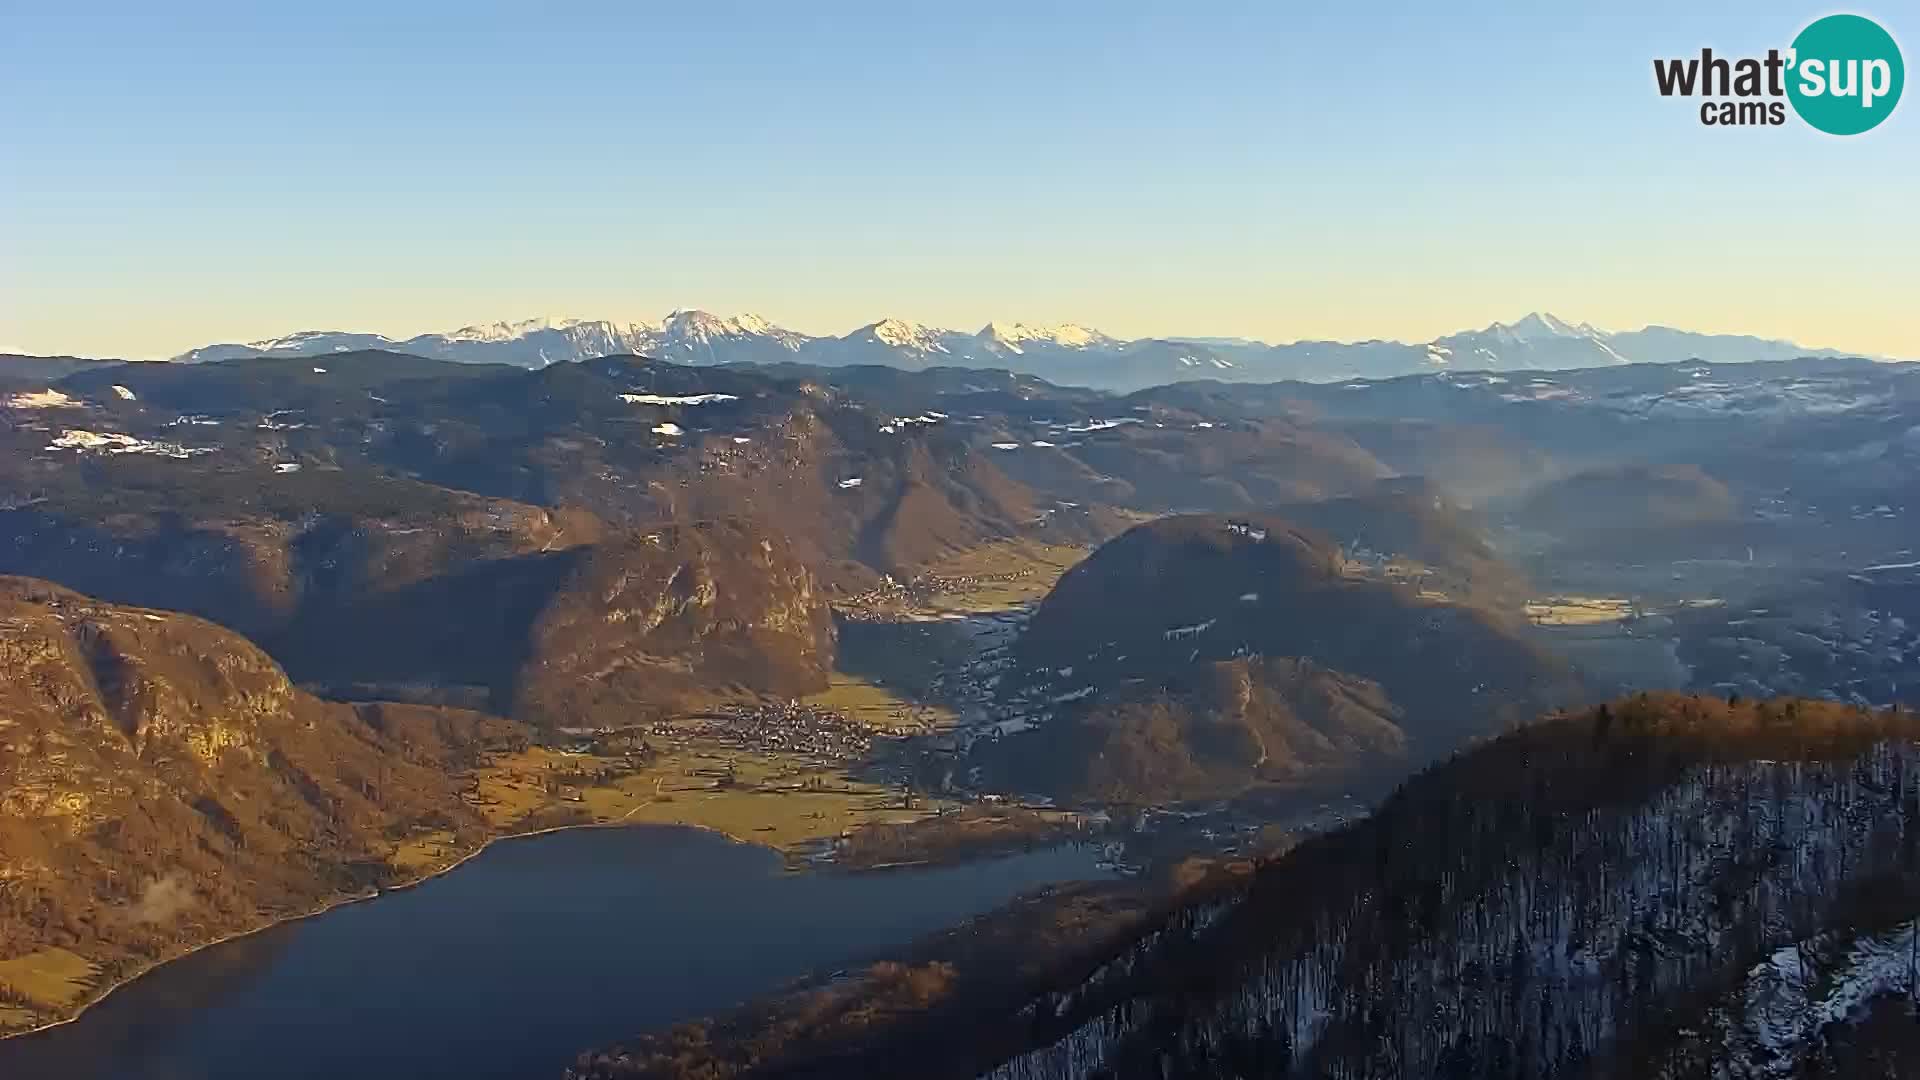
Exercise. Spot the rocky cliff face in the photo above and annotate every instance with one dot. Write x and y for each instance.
(671, 617)
(163, 782)
(641, 621)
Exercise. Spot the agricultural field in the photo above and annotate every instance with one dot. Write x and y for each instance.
(1001, 575)
(1578, 610)
(777, 800)
(877, 705)
(47, 979)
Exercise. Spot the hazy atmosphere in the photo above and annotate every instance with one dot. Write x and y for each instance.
(859, 541)
(174, 177)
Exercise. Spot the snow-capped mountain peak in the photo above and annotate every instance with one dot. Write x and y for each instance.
(305, 340)
(1535, 340)
(900, 334)
(696, 325)
(1065, 335)
(691, 334)
(511, 330)
(1537, 324)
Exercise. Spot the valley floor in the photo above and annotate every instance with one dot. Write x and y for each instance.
(804, 802)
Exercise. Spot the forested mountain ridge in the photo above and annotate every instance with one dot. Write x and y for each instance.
(1410, 526)
(1622, 892)
(1215, 731)
(1197, 655)
(1632, 498)
(859, 489)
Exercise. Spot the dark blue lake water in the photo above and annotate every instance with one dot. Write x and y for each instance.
(515, 962)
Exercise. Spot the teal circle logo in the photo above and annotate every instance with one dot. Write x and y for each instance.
(1844, 74)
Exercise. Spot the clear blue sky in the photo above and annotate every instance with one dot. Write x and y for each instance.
(170, 177)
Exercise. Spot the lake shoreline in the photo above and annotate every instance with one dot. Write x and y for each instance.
(373, 894)
(941, 851)
(436, 980)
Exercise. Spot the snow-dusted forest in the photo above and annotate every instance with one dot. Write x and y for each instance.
(1563, 902)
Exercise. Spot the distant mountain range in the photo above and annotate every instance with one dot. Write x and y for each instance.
(1065, 354)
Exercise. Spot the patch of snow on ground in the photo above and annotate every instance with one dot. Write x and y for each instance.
(112, 442)
(319, 371)
(908, 421)
(1788, 999)
(1770, 398)
(287, 467)
(1178, 632)
(1006, 446)
(668, 428)
(125, 394)
(1538, 392)
(850, 482)
(676, 399)
(44, 399)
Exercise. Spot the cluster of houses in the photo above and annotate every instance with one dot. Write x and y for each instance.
(780, 727)
(884, 602)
